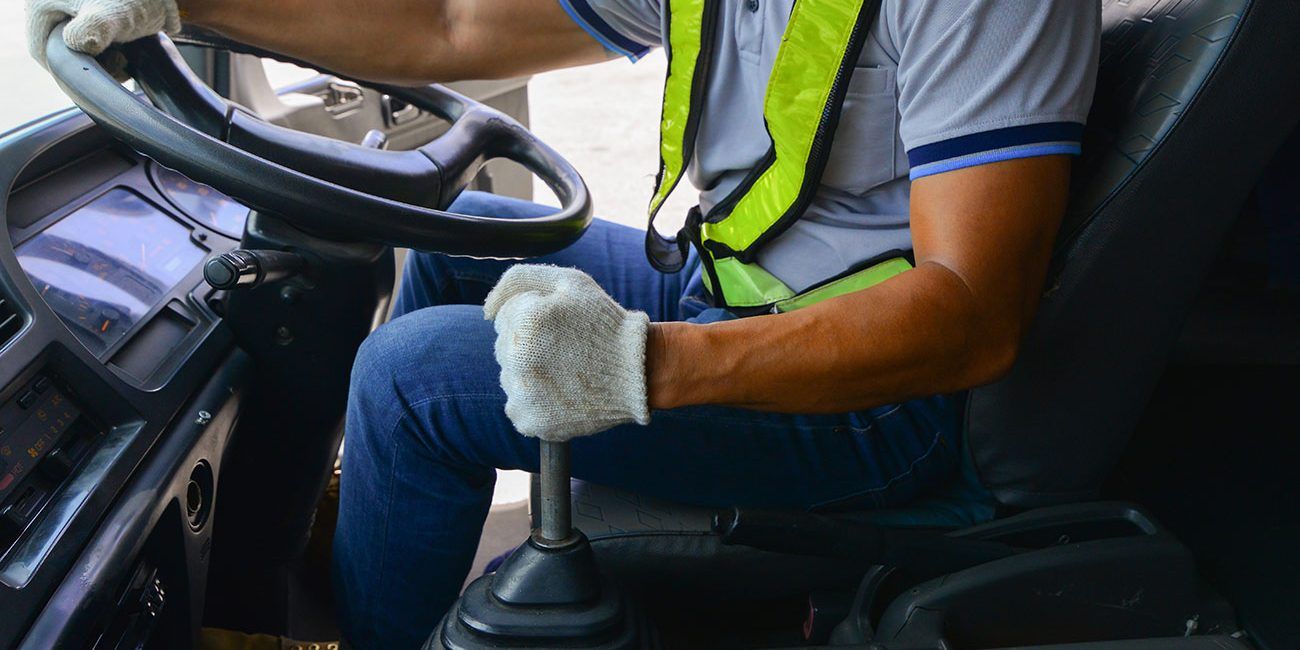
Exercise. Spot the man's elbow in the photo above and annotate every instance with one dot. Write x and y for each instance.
(992, 357)
(996, 362)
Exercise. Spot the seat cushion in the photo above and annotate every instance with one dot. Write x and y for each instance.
(654, 546)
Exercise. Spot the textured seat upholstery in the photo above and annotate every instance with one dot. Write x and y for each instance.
(1192, 100)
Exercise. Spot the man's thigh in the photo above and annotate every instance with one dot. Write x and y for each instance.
(611, 253)
(434, 370)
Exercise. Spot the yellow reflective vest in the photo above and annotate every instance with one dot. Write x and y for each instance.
(801, 110)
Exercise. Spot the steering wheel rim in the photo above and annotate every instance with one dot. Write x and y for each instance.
(316, 182)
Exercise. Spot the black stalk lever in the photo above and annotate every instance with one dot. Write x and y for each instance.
(246, 269)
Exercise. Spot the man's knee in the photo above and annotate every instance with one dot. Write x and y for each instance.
(374, 369)
(431, 351)
(424, 367)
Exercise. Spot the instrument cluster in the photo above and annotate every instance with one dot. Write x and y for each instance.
(103, 267)
(107, 265)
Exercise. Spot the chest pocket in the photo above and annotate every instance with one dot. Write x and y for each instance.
(863, 153)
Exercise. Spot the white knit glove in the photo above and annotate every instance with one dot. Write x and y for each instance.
(572, 360)
(96, 24)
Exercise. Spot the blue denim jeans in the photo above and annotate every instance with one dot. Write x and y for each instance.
(426, 430)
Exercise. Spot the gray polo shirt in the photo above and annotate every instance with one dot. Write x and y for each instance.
(940, 85)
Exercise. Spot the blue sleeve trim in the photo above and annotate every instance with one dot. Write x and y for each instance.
(591, 22)
(997, 155)
(996, 139)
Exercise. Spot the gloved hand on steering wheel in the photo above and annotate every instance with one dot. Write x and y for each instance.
(97, 24)
(572, 359)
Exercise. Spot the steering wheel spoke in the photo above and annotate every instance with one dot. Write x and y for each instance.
(406, 176)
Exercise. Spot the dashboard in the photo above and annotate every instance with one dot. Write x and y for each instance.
(202, 203)
(111, 350)
(118, 263)
(130, 390)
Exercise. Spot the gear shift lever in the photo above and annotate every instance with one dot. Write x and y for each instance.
(549, 592)
(556, 517)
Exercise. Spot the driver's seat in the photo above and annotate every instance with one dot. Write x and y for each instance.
(1193, 98)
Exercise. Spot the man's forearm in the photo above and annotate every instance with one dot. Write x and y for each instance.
(405, 41)
(918, 334)
(983, 239)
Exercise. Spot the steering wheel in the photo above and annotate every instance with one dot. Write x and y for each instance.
(326, 186)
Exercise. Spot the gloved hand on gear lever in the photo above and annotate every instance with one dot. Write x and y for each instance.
(572, 359)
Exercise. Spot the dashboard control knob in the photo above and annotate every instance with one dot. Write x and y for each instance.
(245, 269)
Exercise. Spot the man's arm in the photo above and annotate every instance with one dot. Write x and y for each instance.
(983, 238)
(407, 41)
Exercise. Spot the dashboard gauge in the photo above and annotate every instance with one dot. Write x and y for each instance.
(104, 266)
(202, 203)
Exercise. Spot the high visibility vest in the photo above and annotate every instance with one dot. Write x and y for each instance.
(801, 109)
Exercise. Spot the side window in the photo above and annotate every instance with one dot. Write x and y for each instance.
(286, 74)
(29, 90)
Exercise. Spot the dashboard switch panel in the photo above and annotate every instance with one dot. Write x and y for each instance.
(43, 435)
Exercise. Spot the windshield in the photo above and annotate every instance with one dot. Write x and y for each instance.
(29, 92)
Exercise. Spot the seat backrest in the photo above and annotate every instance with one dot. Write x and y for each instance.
(1193, 97)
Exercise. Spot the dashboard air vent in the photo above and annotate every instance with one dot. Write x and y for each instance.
(10, 320)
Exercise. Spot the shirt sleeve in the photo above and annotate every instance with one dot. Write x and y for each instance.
(626, 27)
(989, 80)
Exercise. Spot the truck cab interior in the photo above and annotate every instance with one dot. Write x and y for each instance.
(186, 273)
